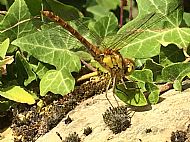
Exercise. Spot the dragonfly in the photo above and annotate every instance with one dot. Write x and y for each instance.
(110, 58)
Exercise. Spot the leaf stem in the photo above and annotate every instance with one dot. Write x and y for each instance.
(89, 66)
(87, 76)
(130, 10)
(121, 12)
(165, 87)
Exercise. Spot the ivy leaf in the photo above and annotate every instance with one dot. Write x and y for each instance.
(133, 92)
(84, 55)
(34, 6)
(102, 7)
(139, 62)
(105, 26)
(154, 92)
(18, 94)
(175, 73)
(155, 68)
(57, 81)
(25, 74)
(4, 47)
(130, 94)
(17, 21)
(67, 12)
(152, 28)
(158, 6)
(144, 84)
(144, 75)
(171, 54)
(5, 105)
(51, 46)
(186, 17)
(108, 4)
(148, 44)
(98, 11)
(41, 69)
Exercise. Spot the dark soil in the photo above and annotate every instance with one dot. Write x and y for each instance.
(30, 122)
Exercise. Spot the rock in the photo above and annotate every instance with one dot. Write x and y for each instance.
(149, 124)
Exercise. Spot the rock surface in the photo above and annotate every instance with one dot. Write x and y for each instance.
(149, 124)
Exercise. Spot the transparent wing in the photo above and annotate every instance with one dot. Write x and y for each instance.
(152, 21)
(60, 37)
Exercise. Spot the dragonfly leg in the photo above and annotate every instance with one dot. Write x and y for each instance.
(127, 88)
(114, 85)
(107, 88)
(122, 81)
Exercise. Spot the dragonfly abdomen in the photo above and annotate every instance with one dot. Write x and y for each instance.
(110, 59)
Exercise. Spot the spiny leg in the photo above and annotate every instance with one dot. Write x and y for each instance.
(127, 88)
(113, 88)
(107, 88)
(122, 81)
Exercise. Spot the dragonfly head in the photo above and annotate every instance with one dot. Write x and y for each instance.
(129, 66)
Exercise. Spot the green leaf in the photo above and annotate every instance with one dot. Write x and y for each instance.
(108, 4)
(151, 47)
(171, 54)
(84, 55)
(58, 82)
(140, 62)
(5, 105)
(41, 69)
(154, 91)
(66, 12)
(155, 68)
(53, 46)
(144, 84)
(175, 73)
(6, 3)
(178, 84)
(98, 11)
(34, 6)
(25, 75)
(18, 94)
(4, 47)
(104, 27)
(17, 21)
(130, 94)
(156, 26)
(102, 7)
(186, 17)
(144, 75)
(161, 6)
(49, 46)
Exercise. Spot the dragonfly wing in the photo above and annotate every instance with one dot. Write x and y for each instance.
(128, 35)
(152, 21)
(60, 37)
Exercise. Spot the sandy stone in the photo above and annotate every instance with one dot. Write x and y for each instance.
(170, 114)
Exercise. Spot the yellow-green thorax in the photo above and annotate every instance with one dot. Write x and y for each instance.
(118, 66)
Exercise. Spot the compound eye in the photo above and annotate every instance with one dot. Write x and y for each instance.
(130, 67)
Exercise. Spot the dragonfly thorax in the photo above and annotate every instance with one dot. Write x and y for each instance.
(117, 65)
